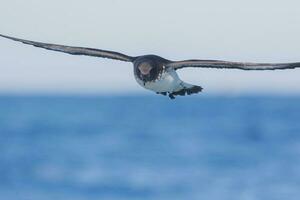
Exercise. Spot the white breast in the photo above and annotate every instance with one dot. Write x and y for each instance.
(168, 82)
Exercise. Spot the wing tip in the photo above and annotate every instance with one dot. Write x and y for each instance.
(14, 39)
(5, 36)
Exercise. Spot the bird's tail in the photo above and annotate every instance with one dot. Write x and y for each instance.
(186, 89)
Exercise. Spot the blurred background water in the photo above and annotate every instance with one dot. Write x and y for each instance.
(135, 147)
(149, 147)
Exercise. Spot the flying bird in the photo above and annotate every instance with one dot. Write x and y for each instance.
(158, 74)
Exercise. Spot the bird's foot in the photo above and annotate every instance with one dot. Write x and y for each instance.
(171, 96)
(162, 93)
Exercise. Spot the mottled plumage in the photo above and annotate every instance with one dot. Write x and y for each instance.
(159, 74)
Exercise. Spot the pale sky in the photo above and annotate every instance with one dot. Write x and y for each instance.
(235, 30)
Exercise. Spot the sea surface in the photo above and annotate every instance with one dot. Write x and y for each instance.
(149, 147)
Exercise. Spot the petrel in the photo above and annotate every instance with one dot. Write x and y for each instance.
(158, 74)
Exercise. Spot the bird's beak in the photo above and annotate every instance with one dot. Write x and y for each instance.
(145, 70)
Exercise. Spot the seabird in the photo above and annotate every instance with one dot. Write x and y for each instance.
(158, 74)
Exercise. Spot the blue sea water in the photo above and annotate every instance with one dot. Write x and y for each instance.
(149, 147)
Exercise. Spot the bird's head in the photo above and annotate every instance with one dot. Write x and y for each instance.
(147, 69)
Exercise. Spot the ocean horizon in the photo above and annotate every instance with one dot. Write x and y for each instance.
(117, 147)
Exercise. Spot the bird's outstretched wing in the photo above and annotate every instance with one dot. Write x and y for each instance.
(218, 64)
(76, 50)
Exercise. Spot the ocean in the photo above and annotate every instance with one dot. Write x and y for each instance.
(149, 147)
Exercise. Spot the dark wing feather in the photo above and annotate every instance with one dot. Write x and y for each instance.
(232, 65)
(76, 50)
